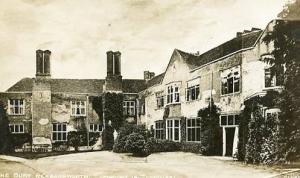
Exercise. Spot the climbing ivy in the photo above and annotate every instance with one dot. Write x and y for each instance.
(211, 135)
(113, 109)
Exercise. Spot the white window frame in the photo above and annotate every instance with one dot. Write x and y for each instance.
(160, 100)
(228, 74)
(159, 128)
(234, 121)
(13, 128)
(170, 129)
(16, 103)
(196, 127)
(190, 90)
(95, 128)
(59, 133)
(78, 106)
(129, 108)
(173, 93)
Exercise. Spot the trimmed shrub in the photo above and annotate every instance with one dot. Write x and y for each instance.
(18, 140)
(124, 132)
(5, 141)
(154, 145)
(191, 147)
(79, 138)
(135, 143)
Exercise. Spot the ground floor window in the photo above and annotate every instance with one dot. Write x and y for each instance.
(59, 132)
(159, 130)
(95, 128)
(16, 128)
(229, 120)
(193, 129)
(173, 129)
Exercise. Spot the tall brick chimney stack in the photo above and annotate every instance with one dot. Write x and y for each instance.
(43, 66)
(113, 81)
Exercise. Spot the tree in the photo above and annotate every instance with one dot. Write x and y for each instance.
(211, 135)
(5, 141)
(285, 60)
(291, 11)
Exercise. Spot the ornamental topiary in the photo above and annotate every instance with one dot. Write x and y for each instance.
(135, 144)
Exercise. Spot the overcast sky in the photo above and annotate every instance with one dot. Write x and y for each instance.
(79, 32)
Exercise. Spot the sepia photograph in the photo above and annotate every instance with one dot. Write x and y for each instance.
(149, 89)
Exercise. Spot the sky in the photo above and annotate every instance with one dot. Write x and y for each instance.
(79, 32)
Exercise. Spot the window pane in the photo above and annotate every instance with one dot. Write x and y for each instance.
(230, 120)
(21, 128)
(198, 122)
(17, 129)
(189, 134)
(223, 120)
(193, 122)
(54, 136)
(176, 132)
(176, 123)
(59, 127)
(230, 85)
(64, 127)
(237, 120)
(197, 92)
(54, 127)
(237, 86)
(193, 134)
(64, 136)
(189, 122)
(197, 134)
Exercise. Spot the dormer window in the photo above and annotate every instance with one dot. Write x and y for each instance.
(173, 93)
(78, 108)
(16, 107)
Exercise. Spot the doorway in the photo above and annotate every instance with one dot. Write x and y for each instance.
(229, 140)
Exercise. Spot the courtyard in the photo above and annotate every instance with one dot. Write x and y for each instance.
(111, 165)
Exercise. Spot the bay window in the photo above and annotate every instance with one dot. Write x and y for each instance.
(272, 80)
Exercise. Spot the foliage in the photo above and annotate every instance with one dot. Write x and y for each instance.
(80, 138)
(155, 145)
(292, 11)
(18, 140)
(113, 109)
(286, 54)
(108, 138)
(211, 135)
(135, 143)
(124, 132)
(191, 147)
(97, 104)
(5, 142)
(258, 138)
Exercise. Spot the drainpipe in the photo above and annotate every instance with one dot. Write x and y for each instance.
(87, 121)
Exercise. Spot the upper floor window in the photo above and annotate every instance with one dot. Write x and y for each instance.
(16, 128)
(173, 93)
(159, 130)
(78, 108)
(229, 120)
(193, 129)
(192, 91)
(59, 132)
(230, 80)
(160, 100)
(16, 107)
(95, 128)
(271, 80)
(129, 108)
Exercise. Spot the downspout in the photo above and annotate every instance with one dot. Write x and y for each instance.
(87, 121)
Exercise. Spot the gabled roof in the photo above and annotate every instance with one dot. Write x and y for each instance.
(155, 80)
(236, 44)
(78, 85)
(133, 85)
